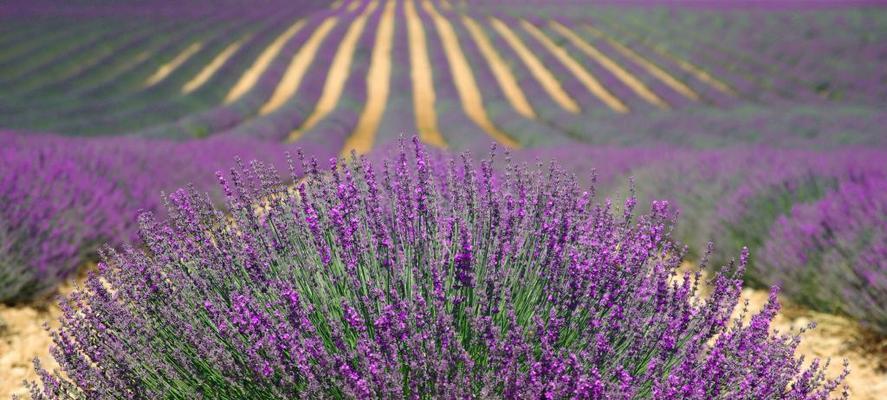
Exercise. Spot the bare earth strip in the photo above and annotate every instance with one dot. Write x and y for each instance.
(297, 68)
(697, 72)
(626, 77)
(583, 75)
(469, 94)
(251, 75)
(507, 81)
(537, 69)
(378, 85)
(353, 6)
(647, 65)
(171, 66)
(337, 75)
(210, 69)
(423, 80)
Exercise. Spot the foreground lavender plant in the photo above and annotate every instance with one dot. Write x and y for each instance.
(429, 279)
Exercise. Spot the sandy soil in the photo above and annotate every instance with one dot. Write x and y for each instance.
(210, 69)
(252, 75)
(501, 70)
(837, 338)
(378, 79)
(298, 67)
(423, 81)
(337, 74)
(545, 78)
(22, 337)
(463, 78)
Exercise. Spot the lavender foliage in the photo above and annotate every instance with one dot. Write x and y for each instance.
(426, 278)
(833, 251)
(62, 198)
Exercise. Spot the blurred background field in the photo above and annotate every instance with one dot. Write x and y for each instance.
(765, 123)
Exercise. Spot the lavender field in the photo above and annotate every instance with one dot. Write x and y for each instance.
(443, 199)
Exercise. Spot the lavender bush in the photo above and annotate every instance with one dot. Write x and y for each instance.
(430, 278)
(45, 229)
(833, 251)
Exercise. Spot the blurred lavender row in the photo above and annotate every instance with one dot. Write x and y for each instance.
(61, 198)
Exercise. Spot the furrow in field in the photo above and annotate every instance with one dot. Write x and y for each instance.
(252, 75)
(620, 73)
(378, 85)
(647, 65)
(504, 77)
(353, 6)
(545, 78)
(469, 94)
(210, 69)
(687, 66)
(583, 75)
(295, 72)
(337, 75)
(422, 78)
(171, 66)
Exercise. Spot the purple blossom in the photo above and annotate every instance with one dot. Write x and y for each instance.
(573, 300)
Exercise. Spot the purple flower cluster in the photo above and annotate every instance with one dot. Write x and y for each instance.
(833, 251)
(424, 277)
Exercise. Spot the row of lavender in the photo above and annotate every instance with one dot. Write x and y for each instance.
(62, 198)
(813, 220)
(777, 52)
(92, 90)
(113, 95)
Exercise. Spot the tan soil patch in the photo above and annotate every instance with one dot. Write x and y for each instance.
(378, 85)
(837, 338)
(583, 75)
(423, 80)
(337, 75)
(647, 65)
(685, 65)
(22, 339)
(255, 71)
(210, 69)
(507, 81)
(171, 66)
(297, 68)
(23, 336)
(470, 96)
(614, 68)
(536, 67)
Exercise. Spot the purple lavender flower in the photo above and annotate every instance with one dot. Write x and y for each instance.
(567, 299)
